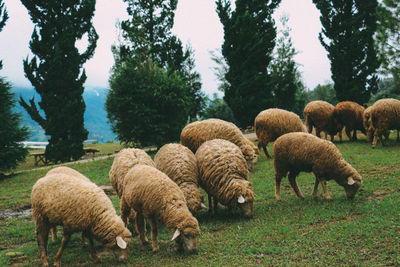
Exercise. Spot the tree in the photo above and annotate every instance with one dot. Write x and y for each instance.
(159, 111)
(347, 35)
(56, 72)
(220, 70)
(285, 77)
(11, 133)
(249, 39)
(217, 108)
(325, 92)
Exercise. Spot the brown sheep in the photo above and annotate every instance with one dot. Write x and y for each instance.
(196, 133)
(384, 116)
(180, 164)
(272, 123)
(297, 152)
(224, 176)
(155, 197)
(319, 114)
(350, 114)
(79, 206)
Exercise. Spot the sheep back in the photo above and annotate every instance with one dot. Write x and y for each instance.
(223, 172)
(179, 164)
(123, 162)
(196, 133)
(319, 114)
(350, 114)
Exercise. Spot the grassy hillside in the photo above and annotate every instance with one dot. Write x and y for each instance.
(310, 232)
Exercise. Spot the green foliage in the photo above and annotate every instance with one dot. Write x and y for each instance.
(217, 108)
(388, 37)
(286, 80)
(146, 104)
(347, 36)
(249, 39)
(56, 72)
(325, 92)
(11, 133)
(388, 88)
(3, 19)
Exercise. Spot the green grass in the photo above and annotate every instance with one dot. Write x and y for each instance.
(292, 232)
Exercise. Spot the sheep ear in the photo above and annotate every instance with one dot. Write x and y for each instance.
(121, 243)
(176, 234)
(350, 181)
(204, 207)
(241, 200)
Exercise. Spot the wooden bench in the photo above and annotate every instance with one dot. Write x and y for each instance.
(40, 157)
(91, 150)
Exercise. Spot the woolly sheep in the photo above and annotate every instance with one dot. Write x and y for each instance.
(224, 176)
(180, 164)
(368, 124)
(318, 114)
(384, 116)
(296, 152)
(79, 206)
(155, 197)
(350, 115)
(196, 133)
(272, 123)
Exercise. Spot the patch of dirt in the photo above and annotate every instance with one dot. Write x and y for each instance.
(17, 258)
(18, 211)
(323, 224)
(379, 195)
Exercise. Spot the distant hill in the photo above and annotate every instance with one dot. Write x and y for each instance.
(96, 121)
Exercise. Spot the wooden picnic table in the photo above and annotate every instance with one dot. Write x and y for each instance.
(40, 157)
(91, 150)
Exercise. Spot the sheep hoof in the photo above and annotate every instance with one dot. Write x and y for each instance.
(57, 263)
(328, 197)
(156, 249)
(278, 198)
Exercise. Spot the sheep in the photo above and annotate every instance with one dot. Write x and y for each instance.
(368, 124)
(78, 206)
(319, 114)
(196, 133)
(296, 152)
(123, 162)
(256, 150)
(180, 164)
(224, 176)
(350, 114)
(384, 116)
(272, 123)
(155, 197)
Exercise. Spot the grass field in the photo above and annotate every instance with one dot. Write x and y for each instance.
(310, 232)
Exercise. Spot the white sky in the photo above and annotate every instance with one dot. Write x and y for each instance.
(196, 22)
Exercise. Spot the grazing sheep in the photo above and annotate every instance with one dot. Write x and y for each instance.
(272, 123)
(224, 176)
(296, 152)
(350, 114)
(155, 197)
(256, 150)
(78, 206)
(196, 133)
(319, 114)
(384, 116)
(123, 162)
(180, 164)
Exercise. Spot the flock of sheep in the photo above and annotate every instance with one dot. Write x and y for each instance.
(213, 155)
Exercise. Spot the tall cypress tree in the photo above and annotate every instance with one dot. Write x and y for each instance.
(249, 39)
(347, 36)
(56, 72)
(11, 151)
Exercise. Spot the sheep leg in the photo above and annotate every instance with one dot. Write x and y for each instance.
(92, 248)
(293, 183)
(64, 242)
(154, 233)
(315, 189)
(375, 139)
(53, 232)
(210, 204)
(125, 211)
(348, 133)
(278, 179)
(354, 134)
(42, 233)
(340, 136)
(325, 190)
(265, 148)
(141, 224)
(318, 132)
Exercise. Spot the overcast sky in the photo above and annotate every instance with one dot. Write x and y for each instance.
(196, 22)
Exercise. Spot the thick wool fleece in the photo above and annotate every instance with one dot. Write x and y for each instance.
(223, 172)
(296, 152)
(350, 114)
(272, 123)
(319, 114)
(151, 193)
(77, 205)
(385, 116)
(180, 164)
(68, 171)
(196, 133)
(123, 162)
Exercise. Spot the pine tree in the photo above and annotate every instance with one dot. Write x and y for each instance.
(11, 133)
(249, 39)
(56, 72)
(347, 35)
